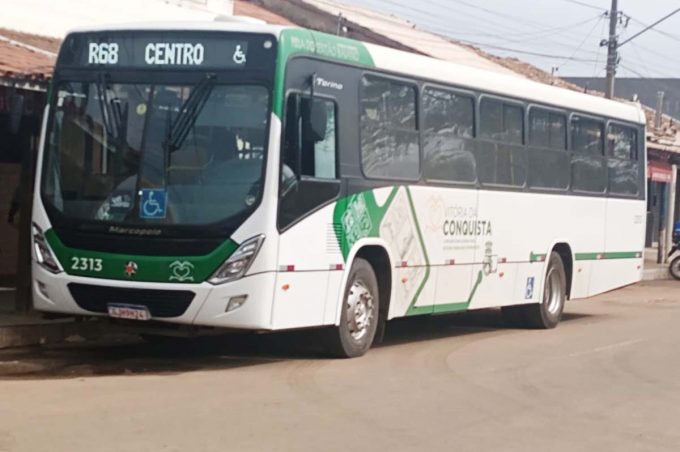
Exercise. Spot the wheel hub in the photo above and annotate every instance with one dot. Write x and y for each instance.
(359, 308)
(552, 294)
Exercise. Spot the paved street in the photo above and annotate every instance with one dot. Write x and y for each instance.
(608, 378)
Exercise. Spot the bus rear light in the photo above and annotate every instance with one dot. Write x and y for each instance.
(43, 253)
(287, 268)
(450, 262)
(337, 266)
(236, 302)
(238, 263)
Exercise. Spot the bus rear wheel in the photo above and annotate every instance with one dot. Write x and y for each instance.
(359, 316)
(548, 313)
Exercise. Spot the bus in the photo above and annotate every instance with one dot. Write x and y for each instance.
(242, 176)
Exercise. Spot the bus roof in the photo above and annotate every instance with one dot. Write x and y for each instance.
(410, 64)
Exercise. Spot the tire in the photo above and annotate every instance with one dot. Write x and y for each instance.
(674, 268)
(513, 316)
(548, 313)
(359, 314)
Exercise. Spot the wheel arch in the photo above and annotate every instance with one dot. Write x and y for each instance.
(377, 254)
(566, 254)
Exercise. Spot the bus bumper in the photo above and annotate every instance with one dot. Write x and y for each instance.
(51, 293)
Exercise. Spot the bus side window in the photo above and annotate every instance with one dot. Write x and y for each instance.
(448, 129)
(589, 168)
(309, 176)
(390, 147)
(622, 153)
(549, 164)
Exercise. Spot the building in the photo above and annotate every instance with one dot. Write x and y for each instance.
(645, 89)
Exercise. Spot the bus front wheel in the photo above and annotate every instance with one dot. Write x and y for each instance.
(548, 313)
(359, 317)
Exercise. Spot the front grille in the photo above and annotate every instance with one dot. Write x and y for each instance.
(161, 303)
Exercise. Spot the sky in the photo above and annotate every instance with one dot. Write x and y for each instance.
(561, 34)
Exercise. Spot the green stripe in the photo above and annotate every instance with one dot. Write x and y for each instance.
(611, 255)
(536, 257)
(450, 307)
(297, 41)
(422, 245)
(149, 268)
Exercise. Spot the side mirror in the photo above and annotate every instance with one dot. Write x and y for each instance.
(314, 120)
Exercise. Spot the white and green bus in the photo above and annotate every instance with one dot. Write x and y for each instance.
(254, 177)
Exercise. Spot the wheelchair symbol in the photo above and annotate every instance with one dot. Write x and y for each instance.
(153, 203)
(239, 55)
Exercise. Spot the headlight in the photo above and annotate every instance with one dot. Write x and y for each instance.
(238, 263)
(43, 253)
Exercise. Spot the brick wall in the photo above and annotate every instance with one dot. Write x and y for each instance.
(9, 178)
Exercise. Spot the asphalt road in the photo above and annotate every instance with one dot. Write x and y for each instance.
(607, 379)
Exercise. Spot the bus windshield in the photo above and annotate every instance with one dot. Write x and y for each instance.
(150, 154)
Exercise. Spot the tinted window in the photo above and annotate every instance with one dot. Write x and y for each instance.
(303, 153)
(547, 129)
(389, 135)
(622, 142)
(624, 176)
(624, 169)
(589, 173)
(501, 121)
(309, 173)
(447, 112)
(449, 125)
(586, 135)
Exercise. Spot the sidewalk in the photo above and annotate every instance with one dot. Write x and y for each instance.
(652, 270)
(18, 330)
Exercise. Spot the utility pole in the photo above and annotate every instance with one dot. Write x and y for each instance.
(613, 44)
(612, 53)
(659, 109)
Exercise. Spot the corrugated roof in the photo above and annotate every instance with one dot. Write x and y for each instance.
(26, 56)
(245, 8)
(406, 33)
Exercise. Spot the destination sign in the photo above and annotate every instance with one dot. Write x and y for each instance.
(167, 50)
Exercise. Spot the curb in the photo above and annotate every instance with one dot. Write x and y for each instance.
(655, 274)
(45, 333)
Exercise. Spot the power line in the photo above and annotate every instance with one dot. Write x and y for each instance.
(587, 5)
(599, 48)
(581, 44)
(427, 22)
(650, 26)
(444, 39)
(656, 30)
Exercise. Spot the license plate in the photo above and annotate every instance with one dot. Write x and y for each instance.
(129, 312)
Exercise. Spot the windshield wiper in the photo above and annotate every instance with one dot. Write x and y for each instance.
(188, 113)
(113, 118)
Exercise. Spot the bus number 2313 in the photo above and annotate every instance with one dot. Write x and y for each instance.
(86, 264)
